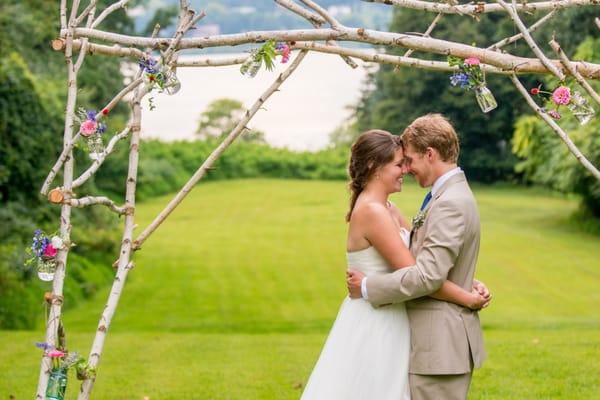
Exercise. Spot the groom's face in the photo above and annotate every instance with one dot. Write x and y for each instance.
(418, 165)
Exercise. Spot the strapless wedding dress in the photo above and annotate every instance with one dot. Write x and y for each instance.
(366, 353)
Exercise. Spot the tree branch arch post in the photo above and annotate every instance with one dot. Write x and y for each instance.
(83, 40)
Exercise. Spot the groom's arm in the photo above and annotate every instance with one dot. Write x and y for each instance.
(441, 247)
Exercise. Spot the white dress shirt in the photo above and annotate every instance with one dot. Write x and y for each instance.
(434, 189)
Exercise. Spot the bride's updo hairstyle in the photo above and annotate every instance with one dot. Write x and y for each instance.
(372, 150)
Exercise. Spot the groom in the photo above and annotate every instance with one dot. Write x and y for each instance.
(446, 339)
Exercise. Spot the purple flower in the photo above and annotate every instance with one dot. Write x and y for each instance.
(39, 243)
(42, 345)
(554, 114)
(91, 115)
(280, 46)
(148, 65)
(460, 78)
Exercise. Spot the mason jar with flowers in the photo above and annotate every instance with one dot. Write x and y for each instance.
(562, 96)
(470, 76)
(43, 252)
(92, 130)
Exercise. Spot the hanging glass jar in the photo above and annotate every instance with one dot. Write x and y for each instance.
(252, 65)
(580, 108)
(57, 384)
(46, 267)
(95, 146)
(168, 81)
(485, 98)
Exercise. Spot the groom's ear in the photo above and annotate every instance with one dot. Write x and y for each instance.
(432, 154)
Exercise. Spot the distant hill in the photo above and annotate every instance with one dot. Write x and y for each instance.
(230, 16)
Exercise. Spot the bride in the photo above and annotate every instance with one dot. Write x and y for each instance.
(366, 354)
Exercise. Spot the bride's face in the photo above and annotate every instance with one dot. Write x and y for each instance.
(391, 174)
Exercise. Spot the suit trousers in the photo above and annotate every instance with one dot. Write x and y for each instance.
(439, 387)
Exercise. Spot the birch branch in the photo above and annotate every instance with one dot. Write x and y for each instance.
(597, 22)
(314, 19)
(402, 61)
(85, 42)
(97, 163)
(73, 17)
(573, 71)
(482, 7)
(213, 61)
(126, 90)
(208, 163)
(94, 48)
(108, 10)
(427, 32)
(501, 60)
(557, 129)
(519, 35)
(534, 47)
(55, 310)
(58, 164)
(63, 14)
(124, 263)
(94, 200)
(85, 13)
(323, 13)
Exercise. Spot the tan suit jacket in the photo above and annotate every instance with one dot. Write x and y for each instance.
(445, 338)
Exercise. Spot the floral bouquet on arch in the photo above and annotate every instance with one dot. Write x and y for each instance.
(562, 96)
(471, 77)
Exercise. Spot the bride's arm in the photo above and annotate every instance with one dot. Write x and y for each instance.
(382, 233)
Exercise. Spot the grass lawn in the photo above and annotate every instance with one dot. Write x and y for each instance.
(233, 296)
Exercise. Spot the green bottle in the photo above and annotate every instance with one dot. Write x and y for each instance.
(57, 384)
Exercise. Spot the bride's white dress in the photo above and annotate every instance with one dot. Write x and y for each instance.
(366, 354)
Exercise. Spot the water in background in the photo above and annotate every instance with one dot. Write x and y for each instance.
(311, 103)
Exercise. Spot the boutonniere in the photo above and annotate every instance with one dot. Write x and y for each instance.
(419, 219)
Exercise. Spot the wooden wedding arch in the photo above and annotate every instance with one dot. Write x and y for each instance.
(81, 35)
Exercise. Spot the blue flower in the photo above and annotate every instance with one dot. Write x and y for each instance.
(101, 127)
(91, 115)
(461, 79)
(148, 65)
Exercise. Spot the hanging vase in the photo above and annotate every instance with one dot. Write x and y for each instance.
(485, 98)
(57, 384)
(171, 83)
(580, 108)
(46, 267)
(252, 64)
(95, 146)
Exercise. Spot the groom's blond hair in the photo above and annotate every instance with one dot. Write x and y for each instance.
(435, 131)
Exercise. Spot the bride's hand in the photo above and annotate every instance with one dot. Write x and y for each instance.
(478, 301)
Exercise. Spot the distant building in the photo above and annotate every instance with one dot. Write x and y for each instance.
(205, 30)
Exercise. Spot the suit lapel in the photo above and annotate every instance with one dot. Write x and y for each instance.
(414, 239)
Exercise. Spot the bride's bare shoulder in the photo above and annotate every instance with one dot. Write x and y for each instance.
(369, 210)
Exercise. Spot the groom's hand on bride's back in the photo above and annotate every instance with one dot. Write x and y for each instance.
(353, 281)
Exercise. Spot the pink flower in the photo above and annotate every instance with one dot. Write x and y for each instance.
(472, 61)
(554, 114)
(285, 54)
(562, 95)
(50, 251)
(56, 354)
(88, 127)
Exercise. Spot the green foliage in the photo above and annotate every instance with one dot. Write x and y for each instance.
(32, 98)
(545, 158)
